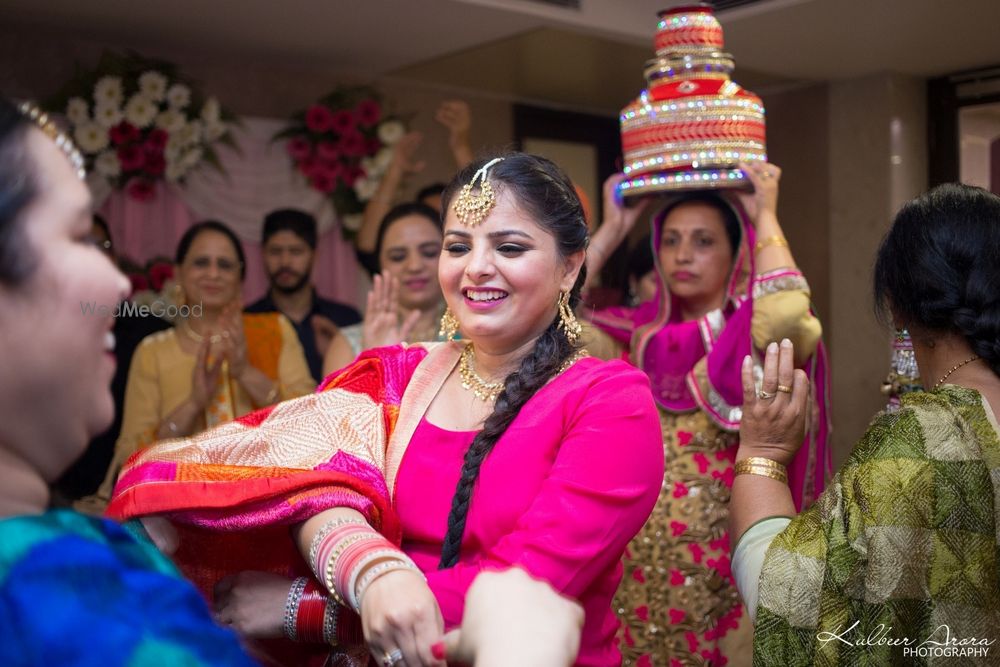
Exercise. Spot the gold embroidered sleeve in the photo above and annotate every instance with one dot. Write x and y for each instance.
(786, 314)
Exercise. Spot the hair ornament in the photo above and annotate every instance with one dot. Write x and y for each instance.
(52, 131)
(470, 208)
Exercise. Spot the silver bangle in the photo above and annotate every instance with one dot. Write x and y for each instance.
(292, 606)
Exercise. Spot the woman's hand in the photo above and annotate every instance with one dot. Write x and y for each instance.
(404, 152)
(622, 218)
(234, 343)
(764, 198)
(205, 376)
(399, 612)
(383, 323)
(253, 603)
(512, 619)
(774, 421)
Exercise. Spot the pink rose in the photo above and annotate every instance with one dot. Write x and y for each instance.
(140, 189)
(318, 118)
(155, 164)
(299, 148)
(323, 183)
(369, 112)
(159, 273)
(309, 166)
(131, 157)
(352, 144)
(139, 282)
(123, 133)
(328, 150)
(372, 146)
(352, 174)
(157, 139)
(343, 121)
(330, 169)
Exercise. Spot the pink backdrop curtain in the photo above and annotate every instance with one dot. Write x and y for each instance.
(258, 178)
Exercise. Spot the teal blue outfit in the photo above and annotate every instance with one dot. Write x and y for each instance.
(76, 590)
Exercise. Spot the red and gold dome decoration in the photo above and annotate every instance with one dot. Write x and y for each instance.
(692, 124)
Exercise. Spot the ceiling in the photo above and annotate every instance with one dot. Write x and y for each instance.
(526, 50)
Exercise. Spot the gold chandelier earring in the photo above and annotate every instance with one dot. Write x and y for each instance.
(570, 326)
(449, 325)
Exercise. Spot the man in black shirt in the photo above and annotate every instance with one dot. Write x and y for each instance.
(289, 247)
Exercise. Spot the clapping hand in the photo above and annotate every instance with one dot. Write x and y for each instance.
(383, 323)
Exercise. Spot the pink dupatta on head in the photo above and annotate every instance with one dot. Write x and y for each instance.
(696, 364)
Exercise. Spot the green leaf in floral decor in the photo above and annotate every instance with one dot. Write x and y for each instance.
(138, 120)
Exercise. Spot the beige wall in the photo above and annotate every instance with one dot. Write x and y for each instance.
(877, 136)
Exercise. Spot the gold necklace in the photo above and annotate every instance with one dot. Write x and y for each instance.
(483, 390)
(953, 369)
(488, 391)
(198, 338)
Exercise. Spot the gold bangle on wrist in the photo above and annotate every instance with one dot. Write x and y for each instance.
(758, 465)
(775, 240)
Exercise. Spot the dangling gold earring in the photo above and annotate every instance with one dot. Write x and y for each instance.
(449, 325)
(570, 326)
(178, 295)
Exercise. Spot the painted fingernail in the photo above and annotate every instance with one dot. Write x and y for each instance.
(437, 650)
(772, 347)
(785, 342)
(747, 361)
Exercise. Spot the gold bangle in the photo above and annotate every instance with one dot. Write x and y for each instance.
(758, 465)
(770, 240)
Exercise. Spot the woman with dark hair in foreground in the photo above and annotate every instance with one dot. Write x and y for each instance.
(903, 544)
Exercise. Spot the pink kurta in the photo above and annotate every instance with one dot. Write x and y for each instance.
(571, 481)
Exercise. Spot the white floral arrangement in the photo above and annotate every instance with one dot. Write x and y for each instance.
(137, 121)
(342, 144)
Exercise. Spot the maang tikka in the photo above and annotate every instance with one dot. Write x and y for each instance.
(472, 209)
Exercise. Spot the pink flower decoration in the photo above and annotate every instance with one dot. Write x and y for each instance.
(123, 133)
(157, 140)
(369, 112)
(643, 613)
(318, 118)
(343, 121)
(674, 662)
(309, 166)
(328, 150)
(680, 490)
(351, 174)
(330, 169)
(683, 438)
(692, 640)
(677, 528)
(353, 144)
(676, 615)
(676, 578)
(644, 661)
(160, 273)
(721, 565)
(131, 157)
(372, 146)
(726, 476)
(702, 462)
(638, 575)
(155, 164)
(323, 183)
(628, 637)
(139, 282)
(697, 553)
(140, 189)
(299, 148)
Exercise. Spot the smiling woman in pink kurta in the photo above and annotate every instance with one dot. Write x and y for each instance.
(566, 487)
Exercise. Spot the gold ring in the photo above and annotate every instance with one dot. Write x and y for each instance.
(766, 395)
(784, 388)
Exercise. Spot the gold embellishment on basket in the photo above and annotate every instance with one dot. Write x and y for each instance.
(470, 208)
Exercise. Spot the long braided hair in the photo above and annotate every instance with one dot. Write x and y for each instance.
(545, 193)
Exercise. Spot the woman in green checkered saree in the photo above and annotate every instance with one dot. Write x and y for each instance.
(897, 562)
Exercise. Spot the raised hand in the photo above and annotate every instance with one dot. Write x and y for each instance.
(383, 324)
(774, 420)
(404, 154)
(764, 177)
